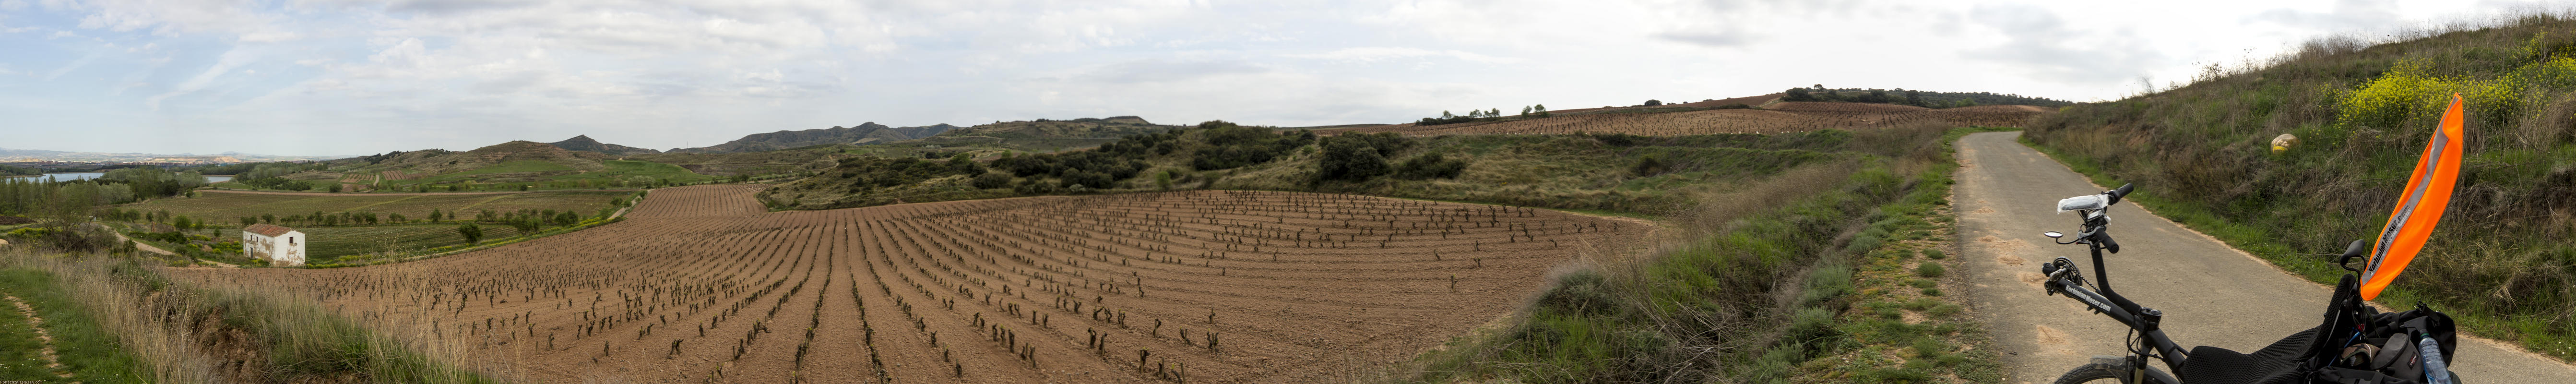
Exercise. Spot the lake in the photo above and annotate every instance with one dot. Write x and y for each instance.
(93, 175)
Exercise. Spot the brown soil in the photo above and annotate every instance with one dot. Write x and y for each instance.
(14, 220)
(1747, 100)
(1302, 288)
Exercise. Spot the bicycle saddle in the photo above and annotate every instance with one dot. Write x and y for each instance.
(2274, 364)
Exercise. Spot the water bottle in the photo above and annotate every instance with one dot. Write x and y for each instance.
(2436, 371)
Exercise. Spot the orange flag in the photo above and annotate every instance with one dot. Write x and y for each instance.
(2428, 192)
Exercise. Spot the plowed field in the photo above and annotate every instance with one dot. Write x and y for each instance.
(1730, 121)
(701, 285)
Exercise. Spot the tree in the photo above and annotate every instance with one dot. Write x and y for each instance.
(335, 187)
(1445, 115)
(1356, 157)
(435, 215)
(1798, 94)
(1496, 112)
(1541, 109)
(472, 233)
(1525, 111)
(1653, 102)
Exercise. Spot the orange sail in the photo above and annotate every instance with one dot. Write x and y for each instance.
(2428, 193)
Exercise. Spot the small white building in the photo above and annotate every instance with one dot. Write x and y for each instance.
(281, 246)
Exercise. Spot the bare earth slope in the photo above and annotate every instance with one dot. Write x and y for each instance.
(701, 285)
(2211, 294)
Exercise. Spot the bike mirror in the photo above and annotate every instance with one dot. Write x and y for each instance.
(2052, 234)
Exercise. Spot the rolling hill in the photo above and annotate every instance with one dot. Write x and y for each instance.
(863, 133)
(585, 143)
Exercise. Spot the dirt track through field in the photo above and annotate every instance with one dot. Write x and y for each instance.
(53, 361)
(700, 284)
(2211, 294)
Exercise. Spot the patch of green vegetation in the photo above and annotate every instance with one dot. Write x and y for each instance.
(290, 340)
(329, 244)
(1713, 310)
(89, 353)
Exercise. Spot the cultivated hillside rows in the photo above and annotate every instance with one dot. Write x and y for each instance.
(1813, 117)
(701, 285)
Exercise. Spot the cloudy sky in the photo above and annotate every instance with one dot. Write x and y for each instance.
(319, 77)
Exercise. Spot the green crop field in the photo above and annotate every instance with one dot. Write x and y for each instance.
(546, 175)
(332, 243)
(222, 208)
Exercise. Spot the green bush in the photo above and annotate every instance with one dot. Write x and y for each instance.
(1580, 293)
(990, 180)
(1357, 157)
(1929, 269)
(1430, 166)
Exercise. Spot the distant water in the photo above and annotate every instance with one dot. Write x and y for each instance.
(93, 175)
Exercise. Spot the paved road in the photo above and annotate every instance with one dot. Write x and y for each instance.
(2211, 294)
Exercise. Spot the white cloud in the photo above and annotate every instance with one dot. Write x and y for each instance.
(1376, 54)
(666, 73)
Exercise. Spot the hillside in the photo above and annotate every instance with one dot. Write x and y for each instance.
(863, 133)
(1092, 128)
(1581, 172)
(1795, 117)
(436, 162)
(585, 143)
(2362, 114)
(511, 166)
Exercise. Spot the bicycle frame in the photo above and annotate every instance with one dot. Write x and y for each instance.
(2065, 278)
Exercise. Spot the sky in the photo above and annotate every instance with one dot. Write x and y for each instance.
(347, 77)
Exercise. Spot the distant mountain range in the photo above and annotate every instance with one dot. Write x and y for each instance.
(863, 133)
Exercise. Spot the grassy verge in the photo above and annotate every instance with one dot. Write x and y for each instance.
(90, 354)
(1783, 280)
(2539, 334)
(179, 332)
(2355, 116)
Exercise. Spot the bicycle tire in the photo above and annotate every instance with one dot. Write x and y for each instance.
(2095, 373)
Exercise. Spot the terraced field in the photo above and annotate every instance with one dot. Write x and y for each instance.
(701, 285)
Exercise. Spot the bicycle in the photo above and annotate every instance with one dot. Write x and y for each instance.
(2293, 359)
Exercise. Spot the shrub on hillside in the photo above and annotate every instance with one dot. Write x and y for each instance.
(1430, 166)
(1360, 156)
(990, 180)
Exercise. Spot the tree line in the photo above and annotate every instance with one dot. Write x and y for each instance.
(1536, 110)
(1914, 97)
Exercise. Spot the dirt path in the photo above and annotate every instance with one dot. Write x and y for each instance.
(2211, 294)
(53, 360)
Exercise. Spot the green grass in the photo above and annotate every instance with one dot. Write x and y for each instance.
(331, 243)
(90, 353)
(223, 208)
(1771, 294)
(292, 340)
